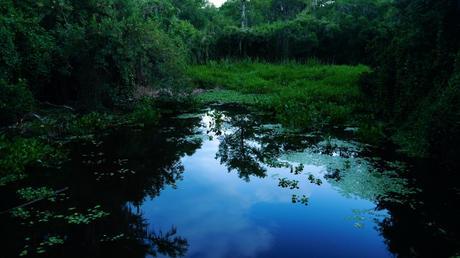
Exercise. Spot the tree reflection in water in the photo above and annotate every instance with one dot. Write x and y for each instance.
(134, 165)
(247, 147)
(240, 151)
(426, 224)
(168, 243)
(116, 173)
(419, 223)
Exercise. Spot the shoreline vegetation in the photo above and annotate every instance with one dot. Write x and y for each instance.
(309, 96)
(103, 57)
(299, 95)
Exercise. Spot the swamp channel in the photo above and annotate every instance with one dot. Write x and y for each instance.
(226, 182)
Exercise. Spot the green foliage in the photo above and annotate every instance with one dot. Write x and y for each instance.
(144, 112)
(25, 46)
(64, 126)
(15, 101)
(371, 131)
(91, 123)
(92, 214)
(19, 153)
(30, 194)
(86, 52)
(96, 54)
(336, 31)
(416, 84)
(31, 216)
(311, 95)
(355, 175)
(232, 96)
(20, 213)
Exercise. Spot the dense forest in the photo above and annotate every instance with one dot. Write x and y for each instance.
(71, 68)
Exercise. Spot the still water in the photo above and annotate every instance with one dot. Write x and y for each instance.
(224, 182)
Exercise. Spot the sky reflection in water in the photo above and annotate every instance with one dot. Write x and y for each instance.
(224, 183)
(222, 215)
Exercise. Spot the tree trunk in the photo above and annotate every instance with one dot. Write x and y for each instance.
(244, 19)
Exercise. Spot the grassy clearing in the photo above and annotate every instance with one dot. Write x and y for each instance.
(301, 95)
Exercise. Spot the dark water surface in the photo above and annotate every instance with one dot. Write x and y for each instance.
(227, 183)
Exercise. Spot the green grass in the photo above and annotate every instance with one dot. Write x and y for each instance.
(232, 96)
(301, 95)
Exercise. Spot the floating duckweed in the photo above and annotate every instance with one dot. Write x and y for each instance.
(20, 213)
(29, 193)
(354, 176)
(41, 249)
(114, 238)
(91, 215)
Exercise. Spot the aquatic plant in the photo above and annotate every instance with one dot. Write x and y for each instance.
(19, 153)
(41, 248)
(352, 175)
(302, 96)
(87, 217)
(29, 193)
(144, 112)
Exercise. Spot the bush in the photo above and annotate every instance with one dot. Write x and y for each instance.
(89, 53)
(15, 101)
(416, 82)
(144, 113)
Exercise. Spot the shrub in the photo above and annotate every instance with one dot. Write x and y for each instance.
(89, 53)
(144, 112)
(15, 101)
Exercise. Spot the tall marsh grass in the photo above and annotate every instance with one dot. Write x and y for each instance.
(300, 95)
